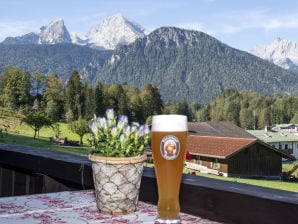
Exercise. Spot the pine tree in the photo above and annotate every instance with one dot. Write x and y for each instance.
(116, 98)
(16, 88)
(99, 99)
(89, 101)
(74, 95)
(151, 99)
(54, 97)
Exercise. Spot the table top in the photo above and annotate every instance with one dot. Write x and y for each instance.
(73, 207)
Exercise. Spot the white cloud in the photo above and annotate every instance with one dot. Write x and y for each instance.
(238, 21)
(261, 19)
(273, 24)
(229, 23)
(289, 21)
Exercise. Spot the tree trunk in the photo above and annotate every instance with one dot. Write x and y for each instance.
(81, 140)
(35, 132)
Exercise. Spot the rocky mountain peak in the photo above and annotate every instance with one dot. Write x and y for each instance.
(281, 52)
(175, 37)
(114, 31)
(29, 38)
(55, 32)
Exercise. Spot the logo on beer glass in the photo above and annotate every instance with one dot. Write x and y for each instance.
(170, 147)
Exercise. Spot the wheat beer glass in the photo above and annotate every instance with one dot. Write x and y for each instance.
(168, 141)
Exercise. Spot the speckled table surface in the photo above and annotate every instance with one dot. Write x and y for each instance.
(73, 207)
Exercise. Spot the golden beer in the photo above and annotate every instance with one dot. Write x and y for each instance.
(169, 143)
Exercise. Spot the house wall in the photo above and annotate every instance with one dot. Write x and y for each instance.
(289, 147)
(255, 161)
(223, 166)
(211, 163)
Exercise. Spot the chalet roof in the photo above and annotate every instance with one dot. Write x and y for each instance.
(274, 136)
(221, 139)
(223, 147)
(217, 128)
(217, 147)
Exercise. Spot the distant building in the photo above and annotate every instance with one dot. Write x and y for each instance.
(225, 149)
(283, 137)
(284, 127)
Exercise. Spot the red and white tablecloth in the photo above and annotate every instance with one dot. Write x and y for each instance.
(72, 207)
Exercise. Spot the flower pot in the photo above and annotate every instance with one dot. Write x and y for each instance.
(117, 183)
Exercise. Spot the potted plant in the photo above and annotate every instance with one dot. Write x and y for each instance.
(117, 157)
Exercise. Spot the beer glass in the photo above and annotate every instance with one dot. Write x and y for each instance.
(169, 143)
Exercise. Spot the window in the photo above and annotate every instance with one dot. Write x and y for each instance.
(215, 164)
(279, 146)
(200, 162)
(286, 146)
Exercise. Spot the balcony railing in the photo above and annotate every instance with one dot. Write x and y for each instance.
(26, 170)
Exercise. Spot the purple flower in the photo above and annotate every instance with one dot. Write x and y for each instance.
(146, 129)
(115, 137)
(127, 130)
(122, 120)
(121, 138)
(102, 122)
(93, 126)
(114, 131)
(141, 130)
(110, 114)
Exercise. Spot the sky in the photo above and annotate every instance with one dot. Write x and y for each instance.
(242, 24)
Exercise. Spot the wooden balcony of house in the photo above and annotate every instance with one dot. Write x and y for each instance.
(288, 151)
(29, 171)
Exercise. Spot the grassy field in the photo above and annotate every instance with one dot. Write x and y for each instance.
(21, 134)
(44, 143)
(276, 184)
(15, 132)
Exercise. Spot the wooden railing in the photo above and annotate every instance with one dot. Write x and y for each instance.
(26, 170)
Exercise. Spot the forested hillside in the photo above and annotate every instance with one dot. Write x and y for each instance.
(192, 65)
(61, 59)
(21, 91)
(251, 110)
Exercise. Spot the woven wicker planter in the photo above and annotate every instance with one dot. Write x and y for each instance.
(117, 183)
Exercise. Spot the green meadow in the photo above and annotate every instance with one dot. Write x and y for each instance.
(16, 132)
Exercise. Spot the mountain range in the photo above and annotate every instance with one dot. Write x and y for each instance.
(113, 31)
(281, 52)
(183, 64)
(117, 30)
(193, 66)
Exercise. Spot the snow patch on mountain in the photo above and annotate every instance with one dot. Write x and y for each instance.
(75, 39)
(114, 31)
(281, 52)
(114, 58)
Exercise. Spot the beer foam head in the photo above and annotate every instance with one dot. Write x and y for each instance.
(169, 122)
